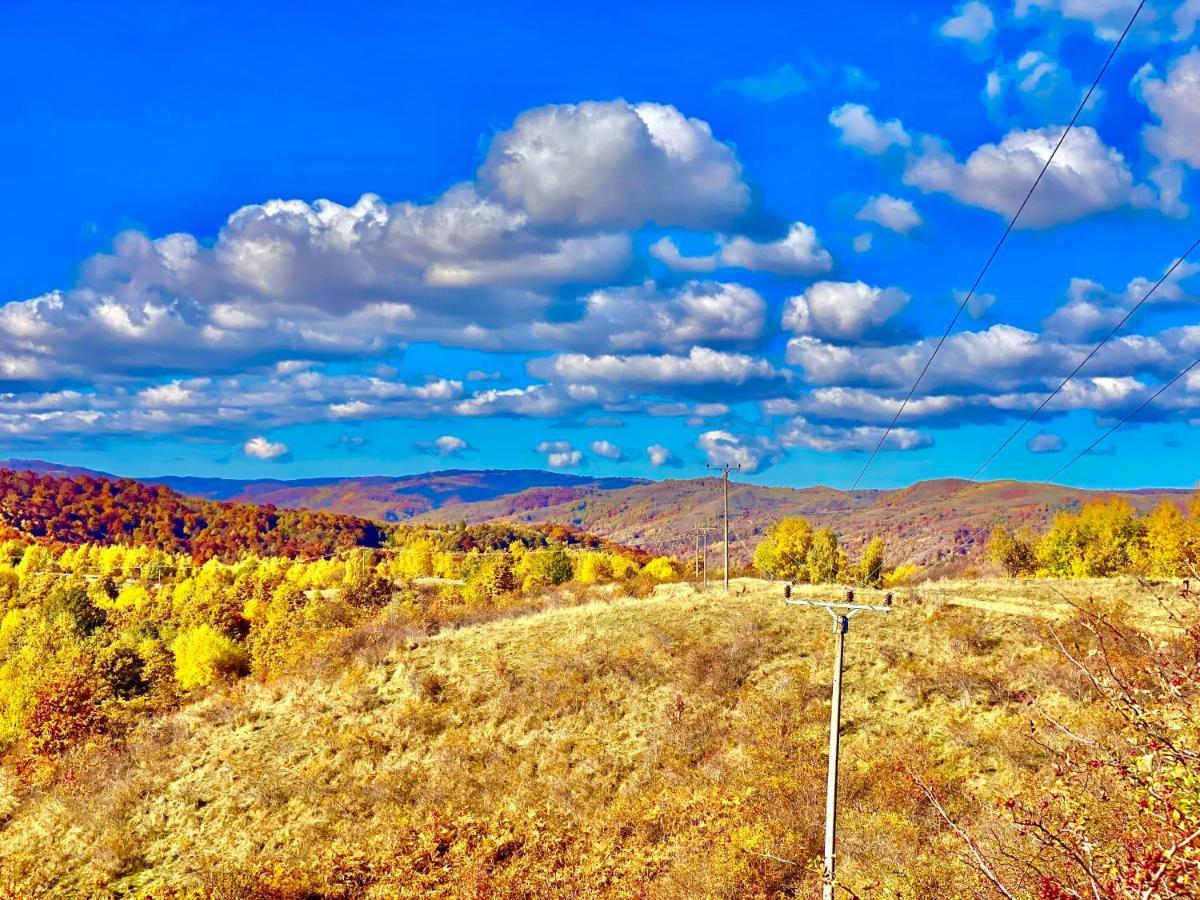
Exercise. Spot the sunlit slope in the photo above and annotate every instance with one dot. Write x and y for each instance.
(670, 746)
(919, 521)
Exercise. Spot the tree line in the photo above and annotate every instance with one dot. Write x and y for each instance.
(1104, 539)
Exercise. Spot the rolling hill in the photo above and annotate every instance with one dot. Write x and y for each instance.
(668, 746)
(382, 497)
(921, 523)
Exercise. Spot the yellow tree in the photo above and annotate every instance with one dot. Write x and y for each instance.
(1162, 552)
(870, 565)
(824, 559)
(784, 551)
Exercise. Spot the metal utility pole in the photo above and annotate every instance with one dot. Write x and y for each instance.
(842, 613)
(725, 470)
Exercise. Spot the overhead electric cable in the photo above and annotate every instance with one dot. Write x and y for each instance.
(1033, 415)
(1003, 237)
(969, 539)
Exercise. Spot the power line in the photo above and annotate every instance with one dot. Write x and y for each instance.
(1080, 455)
(1049, 397)
(1033, 415)
(995, 250)
(1092, 446)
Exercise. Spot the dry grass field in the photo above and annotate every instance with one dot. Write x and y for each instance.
(671, 746)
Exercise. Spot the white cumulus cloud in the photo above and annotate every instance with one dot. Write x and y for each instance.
(1175, 102)
(660, 455)
(607, 450)
(972, 22)
(723, 448)
(615, 164)
(859, 128)
(842, 310)
(560, 454)
(894, 213)
(1087, 176)
(261, 448)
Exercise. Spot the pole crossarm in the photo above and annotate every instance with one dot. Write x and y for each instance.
(850, 609)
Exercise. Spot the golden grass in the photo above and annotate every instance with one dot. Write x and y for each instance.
(597, 712)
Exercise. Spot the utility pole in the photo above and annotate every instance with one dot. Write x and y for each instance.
(725, 470)
(702, 555)
(696, 557)
(841, 613)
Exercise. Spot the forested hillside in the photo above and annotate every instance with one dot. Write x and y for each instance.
(91, 510)
(922, 523)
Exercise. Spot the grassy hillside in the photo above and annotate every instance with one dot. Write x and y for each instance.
(662, 747)
(921, 522)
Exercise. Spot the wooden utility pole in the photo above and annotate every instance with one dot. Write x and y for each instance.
(841, 613)
(702, 551)
(725, 470)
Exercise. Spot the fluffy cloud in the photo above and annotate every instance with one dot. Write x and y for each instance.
(260, 448)
(859, 128)
(862, 439)
(1090, 309)
(701, 366)
(478, 267)
(1175, 102)
(445, 445)
(721, 448)
(973, 22)
(1185, 17)
(847, 404)
(1087, 176)
(1000, 358)
(643, 317)
(893, 213)
(607, 450)
(661, 456)
(1045, 443)
(667, 251)
(842, 310)
(615, 164)
(799, 252)
(560, 454)
(979, 303)
(535, 401)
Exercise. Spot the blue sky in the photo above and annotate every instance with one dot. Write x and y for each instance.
(296, 239)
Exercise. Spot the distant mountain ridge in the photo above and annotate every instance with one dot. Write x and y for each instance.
(921, 522)
(383, 497)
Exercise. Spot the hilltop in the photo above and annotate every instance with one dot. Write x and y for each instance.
(669, 746)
